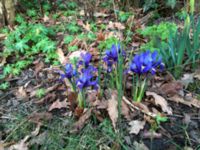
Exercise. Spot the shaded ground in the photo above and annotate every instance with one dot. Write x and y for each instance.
(26, 115)
(19, 119)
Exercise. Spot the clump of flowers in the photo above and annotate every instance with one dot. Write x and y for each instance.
(143, 65)
(114, 62)
(81, 77)
(70, 74)
(112, 56)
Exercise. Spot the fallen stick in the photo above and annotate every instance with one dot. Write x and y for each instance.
(137, 108)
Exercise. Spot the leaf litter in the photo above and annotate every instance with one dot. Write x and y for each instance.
(169, 91)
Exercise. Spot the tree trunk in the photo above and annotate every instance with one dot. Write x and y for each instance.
(2, 12)
(10, 11)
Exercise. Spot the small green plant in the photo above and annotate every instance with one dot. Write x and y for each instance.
(72, 5)
(123, 16)
(4, 85)
(158, 33)
(182, 48)
(73, 27)
(26, 41)
(31, 13)
(68, 39)
(40, 92)
(107, 44)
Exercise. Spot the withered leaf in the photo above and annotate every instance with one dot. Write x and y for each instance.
(159, 100)
(38, 67)
(187, 79)
(61, 56)
(112, 108)
(193, 102)
(82, 121)
(125, 111)
(58, 105)
(171, 89)
(21, 93)
(136, 126)
(38, 117)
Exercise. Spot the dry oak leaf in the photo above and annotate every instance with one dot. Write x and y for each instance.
(61, 56)
(136, 126)
(113, 109)
(113, 25)
(38, 67)
(193, 102)
(38, 117)
(171, 88)
(159, 100)
(125, 111)
(187, 79)
(21, 93)
(22, 145)
(82, 121)
(58, 105)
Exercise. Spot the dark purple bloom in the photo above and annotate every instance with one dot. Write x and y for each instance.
(146, 62)
(85, 60)
(112, 56)
(86, 79)
(69, 72)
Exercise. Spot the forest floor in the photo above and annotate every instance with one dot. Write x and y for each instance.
(36, 113)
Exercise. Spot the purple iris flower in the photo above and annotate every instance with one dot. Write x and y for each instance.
(86, 58)
(146, 62)
(86, 79)
(69, 72)
(112, 56)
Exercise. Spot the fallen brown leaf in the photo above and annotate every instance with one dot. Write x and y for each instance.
(58, 105)
(136, 126)
(112, 108)
(72, 99)
(38, 117)
(193, 102)
(115, 25)
(171, 89)
(125, 111)
(159, 100)
(19, 146)
(187, 79)
(82, 121)
(38, 67)
(61, 56)
(150, 134)
(85, 26)
(100, 36)
(21, 93)
(99, 14)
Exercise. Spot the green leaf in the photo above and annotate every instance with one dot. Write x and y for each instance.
(68, 39)
(40, 92)
(73, 28)
(4, 85)
(72, 48)
(160, 119)
(7, 69)
(16, 71)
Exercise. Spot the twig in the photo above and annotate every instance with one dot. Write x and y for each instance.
(137, 108)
